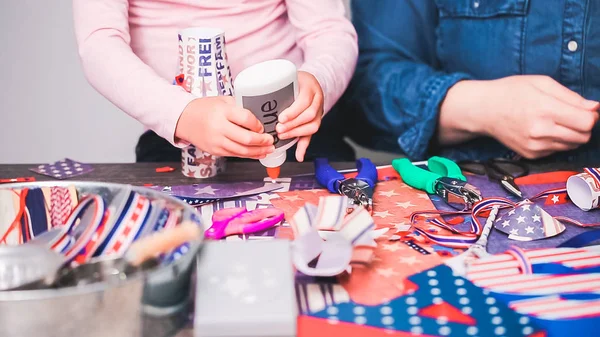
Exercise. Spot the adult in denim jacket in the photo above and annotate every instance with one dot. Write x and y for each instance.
(474, 79)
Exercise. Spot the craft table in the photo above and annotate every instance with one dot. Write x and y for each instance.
(144, 173)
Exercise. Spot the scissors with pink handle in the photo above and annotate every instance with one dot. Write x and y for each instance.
(232, 221)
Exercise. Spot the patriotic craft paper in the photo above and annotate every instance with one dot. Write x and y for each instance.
(555, 204)
(63, 169)
(197, 194)
(558, 289)
(394, 260)
(441, 305)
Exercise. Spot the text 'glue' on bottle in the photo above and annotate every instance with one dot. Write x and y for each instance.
(267, 89)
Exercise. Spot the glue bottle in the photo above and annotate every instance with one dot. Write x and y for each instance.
(267, 89)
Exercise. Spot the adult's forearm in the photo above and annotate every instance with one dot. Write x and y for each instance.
(462, 113)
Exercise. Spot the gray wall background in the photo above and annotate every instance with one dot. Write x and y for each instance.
(48, 110)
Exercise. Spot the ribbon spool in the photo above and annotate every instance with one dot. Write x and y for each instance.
(584, 189)
(83, 223)
(203, 72)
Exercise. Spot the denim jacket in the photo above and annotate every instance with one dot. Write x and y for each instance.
(413, 51)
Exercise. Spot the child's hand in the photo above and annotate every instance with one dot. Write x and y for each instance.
(218, 126)
(303, 118)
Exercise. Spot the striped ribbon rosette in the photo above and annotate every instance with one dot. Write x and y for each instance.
(327, 240)
(203, 70)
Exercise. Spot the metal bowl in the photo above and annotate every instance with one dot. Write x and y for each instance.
(102, 309)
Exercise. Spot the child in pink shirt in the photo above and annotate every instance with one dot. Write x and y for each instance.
(128, 50)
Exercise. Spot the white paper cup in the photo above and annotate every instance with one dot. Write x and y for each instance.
(203, 70)
(583, 191)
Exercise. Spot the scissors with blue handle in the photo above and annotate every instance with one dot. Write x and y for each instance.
(443, 178)
(359, 189)
(238, 220)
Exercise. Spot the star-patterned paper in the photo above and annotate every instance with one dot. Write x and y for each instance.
(63, 169)
(197, 194)
(384, 278)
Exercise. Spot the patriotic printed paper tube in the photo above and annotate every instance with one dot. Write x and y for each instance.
(203, 70)
(584, 189)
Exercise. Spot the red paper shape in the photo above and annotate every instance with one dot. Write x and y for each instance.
(457, 220)
(545, 178)
(164, 169)
(447, 310)
(319, 327)
(556, 199)
(383, 174)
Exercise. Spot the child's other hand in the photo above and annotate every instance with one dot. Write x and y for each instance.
(303, 118)
(218, 126)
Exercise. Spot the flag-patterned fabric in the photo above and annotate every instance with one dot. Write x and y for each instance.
(559, 292)
(501, 273)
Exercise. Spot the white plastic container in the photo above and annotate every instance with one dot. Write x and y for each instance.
(267, 89)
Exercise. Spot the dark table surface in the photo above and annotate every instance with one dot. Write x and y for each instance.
(144, 173)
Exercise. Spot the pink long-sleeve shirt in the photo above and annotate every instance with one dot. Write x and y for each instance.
(129, 54)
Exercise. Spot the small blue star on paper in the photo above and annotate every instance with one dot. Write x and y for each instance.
(63, 169)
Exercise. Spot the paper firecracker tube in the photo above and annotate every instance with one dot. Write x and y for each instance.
(584, 191)
(203, 71)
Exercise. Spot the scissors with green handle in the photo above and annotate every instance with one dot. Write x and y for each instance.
(443, 178)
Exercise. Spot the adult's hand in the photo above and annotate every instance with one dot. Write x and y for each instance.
(534, 116)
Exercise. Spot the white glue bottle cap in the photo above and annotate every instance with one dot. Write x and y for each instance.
(267, 89)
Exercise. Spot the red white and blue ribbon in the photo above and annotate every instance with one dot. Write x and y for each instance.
(521, 258)
(36, 212)
(83, 223)
(461, 239)
(128, 230)
(60, 205)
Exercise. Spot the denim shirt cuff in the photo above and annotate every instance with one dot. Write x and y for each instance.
(415, 141)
